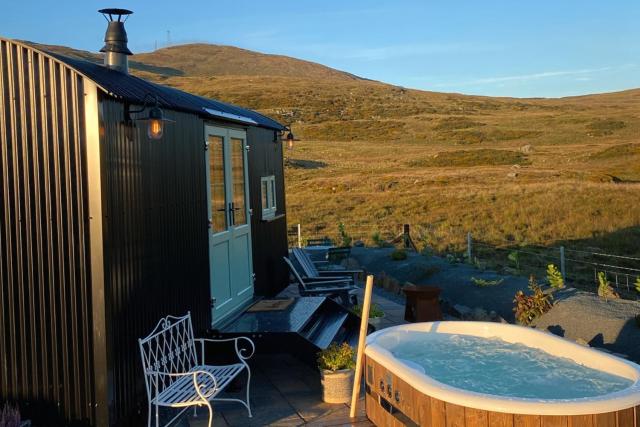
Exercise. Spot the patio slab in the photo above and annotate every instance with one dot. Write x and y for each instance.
(287, 392)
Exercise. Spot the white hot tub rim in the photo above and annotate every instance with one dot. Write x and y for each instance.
(422, 382)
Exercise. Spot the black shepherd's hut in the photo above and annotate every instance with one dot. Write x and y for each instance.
(122, 201)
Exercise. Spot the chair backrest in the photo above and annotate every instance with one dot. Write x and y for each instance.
(338, 254)
(169, 348)
(296, 275)
(305, 262)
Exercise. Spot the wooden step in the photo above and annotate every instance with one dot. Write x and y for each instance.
(327, 322)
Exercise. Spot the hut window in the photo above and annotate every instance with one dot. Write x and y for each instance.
(268, 192)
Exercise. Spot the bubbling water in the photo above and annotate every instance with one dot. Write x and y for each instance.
(496, 367)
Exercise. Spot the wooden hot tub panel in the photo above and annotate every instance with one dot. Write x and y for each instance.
(392, 402)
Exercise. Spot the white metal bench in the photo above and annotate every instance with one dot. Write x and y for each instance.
(176, 377)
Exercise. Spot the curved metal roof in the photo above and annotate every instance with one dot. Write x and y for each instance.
(134, 89)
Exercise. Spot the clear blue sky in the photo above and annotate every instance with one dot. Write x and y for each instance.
(503, 48)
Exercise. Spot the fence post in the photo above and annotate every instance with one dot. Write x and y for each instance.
(299, 235)
(469, 247)
(405, 236)
(562, 267)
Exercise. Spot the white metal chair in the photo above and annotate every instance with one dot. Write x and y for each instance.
(176, 377)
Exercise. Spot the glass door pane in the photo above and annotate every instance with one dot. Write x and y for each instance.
(238, 177)
(218, 184)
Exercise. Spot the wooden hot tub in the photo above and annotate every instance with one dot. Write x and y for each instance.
(397, 394)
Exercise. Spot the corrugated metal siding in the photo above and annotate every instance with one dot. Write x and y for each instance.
(269, 238)
(155, 239)
(45, 313)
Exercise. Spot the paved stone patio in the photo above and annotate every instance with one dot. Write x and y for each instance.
(286, 392)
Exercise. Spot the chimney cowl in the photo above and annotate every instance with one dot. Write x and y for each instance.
(115, 40)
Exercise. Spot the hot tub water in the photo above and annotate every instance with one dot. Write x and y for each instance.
(496, 367)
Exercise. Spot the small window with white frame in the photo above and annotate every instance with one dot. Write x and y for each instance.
(268, 190)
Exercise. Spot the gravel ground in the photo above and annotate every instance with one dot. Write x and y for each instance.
(454, 279)
(605, 324)
(576, 315)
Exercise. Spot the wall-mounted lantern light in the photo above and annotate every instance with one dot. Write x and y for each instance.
(155, 123)
(155, 118)
(290, 140)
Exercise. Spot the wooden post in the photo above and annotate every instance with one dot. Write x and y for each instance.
(299, 236)
(562, 266)
(469, 248)
(406, 236)
(364, 326)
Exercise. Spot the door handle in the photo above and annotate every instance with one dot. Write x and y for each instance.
(232, 214)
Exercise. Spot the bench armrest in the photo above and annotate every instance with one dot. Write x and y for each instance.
(203, 395)
(241, 352)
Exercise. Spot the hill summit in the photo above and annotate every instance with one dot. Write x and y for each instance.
(217, 60)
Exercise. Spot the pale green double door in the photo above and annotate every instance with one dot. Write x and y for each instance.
(229, 221)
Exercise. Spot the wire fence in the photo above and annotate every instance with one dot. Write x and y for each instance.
(369, 235)
(580, 268)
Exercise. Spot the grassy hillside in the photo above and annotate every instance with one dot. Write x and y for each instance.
(373, 155)
(214, 60)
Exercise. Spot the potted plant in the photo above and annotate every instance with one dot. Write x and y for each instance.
(376, 314)
(337, 363)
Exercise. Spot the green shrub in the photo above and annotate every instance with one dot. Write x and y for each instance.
(637, 284)
(486, 283)
(604, 287)
(478, 264)
(514, 257)
(530, 307)
(374, 311)
(336, 357)
(554, 277)
(345, 239)
(378, 240)
(399, 255)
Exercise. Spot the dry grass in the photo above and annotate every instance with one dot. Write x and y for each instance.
(374, 156)
(558, 194)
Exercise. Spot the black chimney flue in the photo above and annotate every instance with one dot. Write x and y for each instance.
(115, 47)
